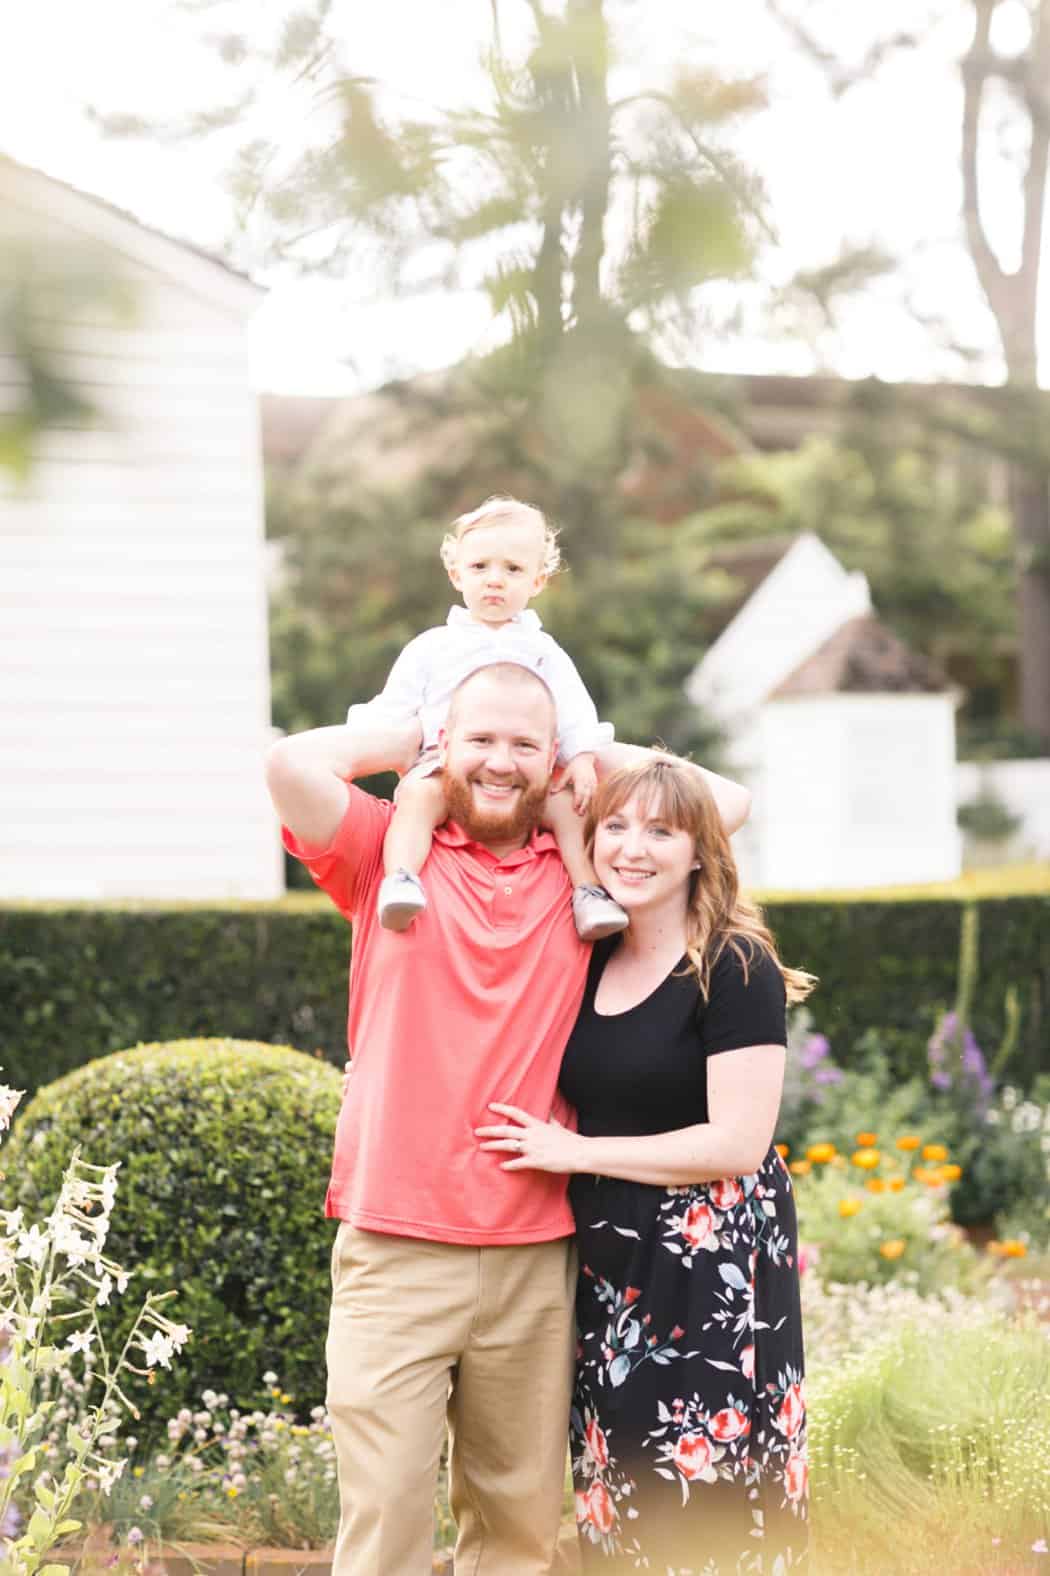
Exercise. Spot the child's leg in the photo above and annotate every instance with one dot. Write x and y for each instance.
(595, 912)
(567, 826)
(420, 808)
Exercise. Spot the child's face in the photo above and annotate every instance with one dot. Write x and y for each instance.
(498, 569)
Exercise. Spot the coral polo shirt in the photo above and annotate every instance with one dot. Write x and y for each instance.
(474, 1002)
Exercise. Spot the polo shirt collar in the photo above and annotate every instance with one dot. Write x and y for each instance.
(452, 835)
(526, 619)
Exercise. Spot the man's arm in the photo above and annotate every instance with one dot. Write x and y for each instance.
(307, 773)
(733, 800)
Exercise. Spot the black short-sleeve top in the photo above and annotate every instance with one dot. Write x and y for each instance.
(645, 1070)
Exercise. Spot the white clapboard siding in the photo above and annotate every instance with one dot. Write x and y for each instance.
(134, 669)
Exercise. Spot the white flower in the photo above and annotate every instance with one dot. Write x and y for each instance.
(80, 1341)
(122, 1280)
(71, 1242)
(12, 1221)
(108, 1473)
(269, 1377)
(179, 1334)
(105, 1288)
(32, 1245)
(157, 1349)
(146, 1502)
(9, 1099)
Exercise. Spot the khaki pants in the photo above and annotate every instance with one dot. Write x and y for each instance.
(427, 1332)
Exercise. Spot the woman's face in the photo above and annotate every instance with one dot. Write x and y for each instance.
(641, 859)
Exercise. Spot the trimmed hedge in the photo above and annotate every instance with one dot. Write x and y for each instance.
(225, 1149)
(78, 982)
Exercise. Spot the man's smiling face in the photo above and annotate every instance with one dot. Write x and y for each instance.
(499, 748)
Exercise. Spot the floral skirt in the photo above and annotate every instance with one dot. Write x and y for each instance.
(688, 1418)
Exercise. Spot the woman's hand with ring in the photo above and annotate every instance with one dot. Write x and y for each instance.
(534, 1145)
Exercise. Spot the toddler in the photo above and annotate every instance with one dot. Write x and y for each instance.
(498, 557)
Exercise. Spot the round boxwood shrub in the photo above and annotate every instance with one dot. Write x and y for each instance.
(225, 1148)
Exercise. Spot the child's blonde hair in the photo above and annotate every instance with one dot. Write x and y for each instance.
(491, 512)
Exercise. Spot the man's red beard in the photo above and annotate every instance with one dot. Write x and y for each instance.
(494, 826)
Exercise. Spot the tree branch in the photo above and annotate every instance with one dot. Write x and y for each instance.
(974, 75)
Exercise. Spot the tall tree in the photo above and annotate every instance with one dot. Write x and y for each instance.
(589, 219)
(1004, 130)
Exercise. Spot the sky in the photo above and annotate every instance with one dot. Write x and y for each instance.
(878, 166)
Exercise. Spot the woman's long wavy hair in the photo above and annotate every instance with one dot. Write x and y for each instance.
(717, 915)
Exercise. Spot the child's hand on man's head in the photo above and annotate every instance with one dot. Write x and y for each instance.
(581, 773)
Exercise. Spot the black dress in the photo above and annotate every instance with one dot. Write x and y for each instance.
(688, 1418)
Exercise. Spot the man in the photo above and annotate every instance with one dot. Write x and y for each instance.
(452, 1279)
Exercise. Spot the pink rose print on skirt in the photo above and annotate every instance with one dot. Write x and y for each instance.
(792, 1412)
(596, 1445)
(796, 1478)
(694, 1456)
(595, 1508)
(698, 1225)
(730, 1423)
(725, 1193)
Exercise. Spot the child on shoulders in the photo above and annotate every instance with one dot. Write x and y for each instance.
(498, 557)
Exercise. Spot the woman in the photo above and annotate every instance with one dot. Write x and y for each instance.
(688, 1422)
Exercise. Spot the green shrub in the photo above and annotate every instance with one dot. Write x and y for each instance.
(225, 1149)
(77, 982)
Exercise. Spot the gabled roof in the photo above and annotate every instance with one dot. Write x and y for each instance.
(805, 598)
(862, 657)
(52, 200)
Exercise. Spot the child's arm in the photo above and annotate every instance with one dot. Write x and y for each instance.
(579, 730)
(401, 697)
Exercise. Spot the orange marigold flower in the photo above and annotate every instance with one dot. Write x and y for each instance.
(783, 1150)
(892, 1248)
(897, 1184)
(934, 1152)
(820, 1154)
(908, 1141)
(875, 1185)
(951, 1172)
(866, 1159)
(1012, 1248)
(867, 1140)
(848, 1207)
(929, 1176)
(800, 1168)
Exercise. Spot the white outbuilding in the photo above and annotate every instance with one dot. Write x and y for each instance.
(845, 736)
(134, 670)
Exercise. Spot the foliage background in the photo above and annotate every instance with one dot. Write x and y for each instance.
(79, 982)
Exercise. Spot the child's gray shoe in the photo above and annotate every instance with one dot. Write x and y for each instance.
(401, 898)
(596, 913)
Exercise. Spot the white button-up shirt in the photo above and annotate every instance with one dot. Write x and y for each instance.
(430, 667)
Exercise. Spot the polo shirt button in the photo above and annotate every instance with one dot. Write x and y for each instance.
(507, 891)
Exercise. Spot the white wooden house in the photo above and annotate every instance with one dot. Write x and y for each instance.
(846, 738)
(134, 671)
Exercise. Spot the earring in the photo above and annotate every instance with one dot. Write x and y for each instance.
(696, 866)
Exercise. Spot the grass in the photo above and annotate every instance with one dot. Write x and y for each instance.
(933, 1454)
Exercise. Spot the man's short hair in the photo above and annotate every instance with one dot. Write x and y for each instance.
(512, 675)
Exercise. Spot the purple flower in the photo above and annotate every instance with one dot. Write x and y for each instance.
(815, 1050)
(828, 1075)
(10, 1522)
(953, 1050)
